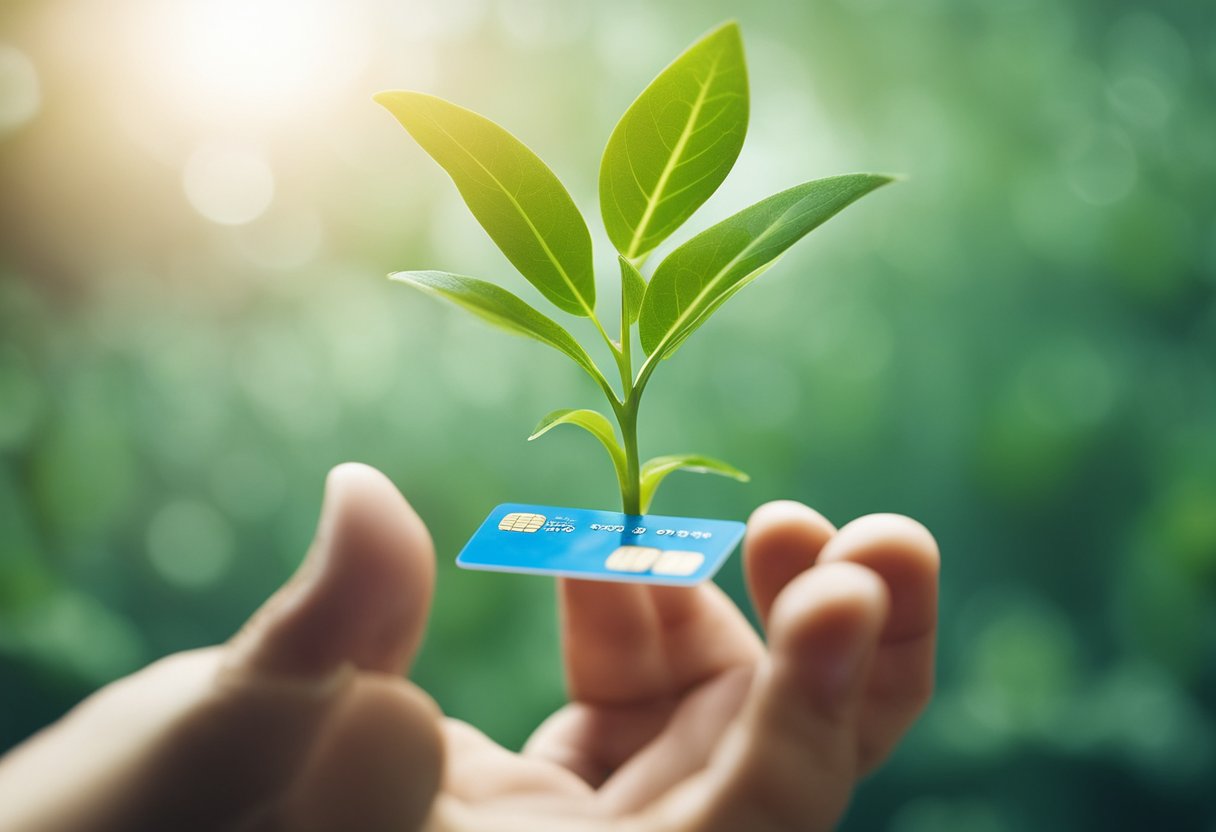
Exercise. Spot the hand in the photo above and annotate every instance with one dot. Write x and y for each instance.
(679, 718)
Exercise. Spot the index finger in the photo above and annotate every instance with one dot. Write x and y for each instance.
(630, 643)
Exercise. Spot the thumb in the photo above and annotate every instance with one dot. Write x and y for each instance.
(793, 760)
(204, 739)
(361, 597)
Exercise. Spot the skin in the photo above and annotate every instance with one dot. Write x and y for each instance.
(680, 717)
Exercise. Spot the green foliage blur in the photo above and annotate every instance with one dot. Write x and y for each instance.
(1016, 346)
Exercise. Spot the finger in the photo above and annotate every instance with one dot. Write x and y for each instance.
(792, 761)
(783, 540)
(625, 644)
(905, 555)
(361, 596)
(632, 653)
(610, 641)
(376, 764)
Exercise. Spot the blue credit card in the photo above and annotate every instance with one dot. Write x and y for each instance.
(601, 545)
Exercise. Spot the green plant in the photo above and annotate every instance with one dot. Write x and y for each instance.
(668, 154)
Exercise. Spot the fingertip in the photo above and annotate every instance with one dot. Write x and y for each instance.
(777, 514)
(831, 592)
(825, 626)
(906, 556)
(362, 594)
(784, 539)
(894, 530)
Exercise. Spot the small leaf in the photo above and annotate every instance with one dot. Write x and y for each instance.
(594, 423)
(657, 469)
(676, 143)
(704, 272)
(512, 193)
(633, 288)
(501, 308)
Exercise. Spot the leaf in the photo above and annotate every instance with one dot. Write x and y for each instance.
(703, 273)
(675, 343)
(633, 289)
(512, 193)
(501, 308)
(657, 469)
(594, 423)
(676, 143)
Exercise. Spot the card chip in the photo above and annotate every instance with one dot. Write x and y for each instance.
(521, 522)
(632, 559)
(678, 563)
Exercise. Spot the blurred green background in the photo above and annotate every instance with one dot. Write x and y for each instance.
(198, 203)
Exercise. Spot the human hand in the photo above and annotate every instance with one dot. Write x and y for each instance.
(679, 718)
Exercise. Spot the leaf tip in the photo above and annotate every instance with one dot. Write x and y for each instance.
(384, 97)
(881, 179)
(727, 28)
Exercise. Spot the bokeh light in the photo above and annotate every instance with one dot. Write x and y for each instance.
(230, 186)
(20, 96)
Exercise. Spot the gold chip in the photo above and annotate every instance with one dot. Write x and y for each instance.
(678, 562)
(519, 521)
(631, 559)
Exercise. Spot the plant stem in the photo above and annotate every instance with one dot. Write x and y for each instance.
(626, 357)
(623, 366)
(631, 489)
(627, 418)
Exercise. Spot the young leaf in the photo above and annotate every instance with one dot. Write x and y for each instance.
(512, 193)
(657, 469)
(594, 423)
(704, 272)
(676, 143)
(633, 289)
(501, 308)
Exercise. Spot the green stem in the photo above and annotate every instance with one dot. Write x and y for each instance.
(623, 364)
(627, 419)
(631, 488)
(626, 357)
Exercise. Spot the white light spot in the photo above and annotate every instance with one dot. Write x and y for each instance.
(20, 96)
(190, 544)
(228, 185)
(252, 59)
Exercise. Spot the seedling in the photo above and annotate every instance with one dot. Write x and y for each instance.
(667, 155)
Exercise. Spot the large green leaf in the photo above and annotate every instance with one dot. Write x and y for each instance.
(657, 469)
(501, 308)
(676, 143)
(512, 193)
(699, 276)
(594, 423)
(633, 289)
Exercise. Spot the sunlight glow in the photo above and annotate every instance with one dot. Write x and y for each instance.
(251, 58)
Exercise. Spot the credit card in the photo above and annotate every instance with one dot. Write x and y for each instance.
(601, 545)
